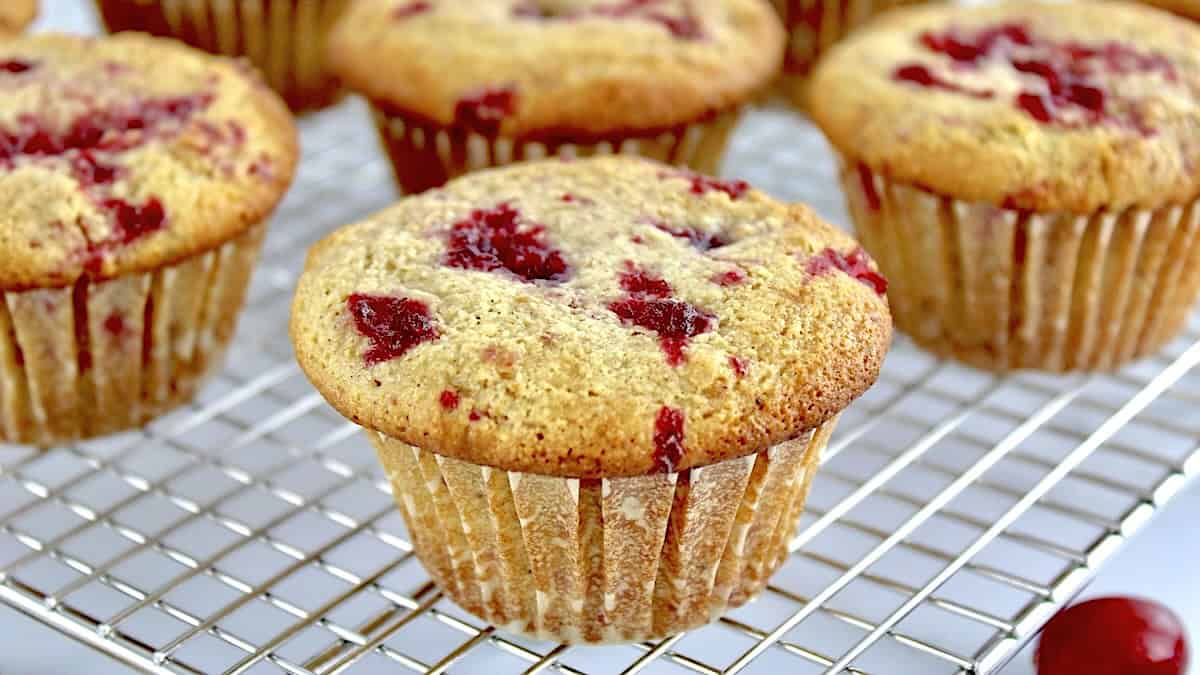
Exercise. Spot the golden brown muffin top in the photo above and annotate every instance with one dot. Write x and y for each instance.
(567, 67)
(15, 15)
(122, 154)
(597, 318)
(1050, 107)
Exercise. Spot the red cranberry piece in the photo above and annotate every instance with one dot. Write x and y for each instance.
(474, 416)
(1087, 97)
(449, 399)
(856, 265)
(734, 188)
(700, 240)
(393, 325)
(90, 171)
(134, 221)
(494, 238)
(739, 365)
(485, 111)
(924, 77)
(730, 278)
(674, 321)
(16, 66)
(668, 439)
(1113, 636)
(1043, 70)
(1036, 105)
(411, 9)
(868, 187)
(114, 325)
(636, 281)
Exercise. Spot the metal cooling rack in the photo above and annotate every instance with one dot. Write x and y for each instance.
(253, 532)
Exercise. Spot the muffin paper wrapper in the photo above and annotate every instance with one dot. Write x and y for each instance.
(285, 39)
(100, 357)
(813, 26)
(602, 560)
(425, 155)
(1003, 289)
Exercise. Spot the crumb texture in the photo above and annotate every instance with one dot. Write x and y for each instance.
(604, 317)
(1041, 107)
(518, 67)
(123, 154)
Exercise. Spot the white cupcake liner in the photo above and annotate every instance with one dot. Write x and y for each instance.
(602, 560)
(425, 154)
(96, 358)
(285, 39)
(813, 26)
(1004, 289)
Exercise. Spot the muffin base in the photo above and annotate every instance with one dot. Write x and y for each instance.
(425, 154)
(1003, 289)
(813, 27)
(602, 560)
(101, 357)
(285, 39)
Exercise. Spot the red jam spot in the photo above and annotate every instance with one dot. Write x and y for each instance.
(1113, 636)
(701, 241)
(114, 325)
(924, 77)
(1065, 73)
(704, 184)
(868, 187)
(393, 325)
(16, 66)
(856, 265)
(675, 322)
(492, 239)
(411, 9)
(972, 48)
(730, 278)
(485, 111)
(739, 365)
(668, 439)
(636, 281)
(449, 399)
(135, 221)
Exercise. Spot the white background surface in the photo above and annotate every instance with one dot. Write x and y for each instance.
(1159, 563)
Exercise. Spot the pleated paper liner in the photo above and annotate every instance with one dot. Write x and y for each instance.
(1004, 289)
(425, 154)
(813, 26)
(602, 560)
(285, 39)
(97, 358)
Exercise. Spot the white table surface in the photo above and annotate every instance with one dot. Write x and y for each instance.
(1158, 563)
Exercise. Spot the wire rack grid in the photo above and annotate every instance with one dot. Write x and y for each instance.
(252, 532)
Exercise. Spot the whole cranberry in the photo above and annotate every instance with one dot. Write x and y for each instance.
(1113, 636)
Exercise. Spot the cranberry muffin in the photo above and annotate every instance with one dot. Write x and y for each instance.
(1026, 176)
(813, 26)
(478, 83)
(15, 15)
(135, 175)
(600, 388)
(285, 39)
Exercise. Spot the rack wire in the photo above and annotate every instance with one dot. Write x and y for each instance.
(252, 531)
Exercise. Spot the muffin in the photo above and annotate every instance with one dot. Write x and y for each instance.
(599, 388)
(813, 26)
(135, 175)
(478, 83)
(15, 15)
(1025, 175)
(285, 39)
